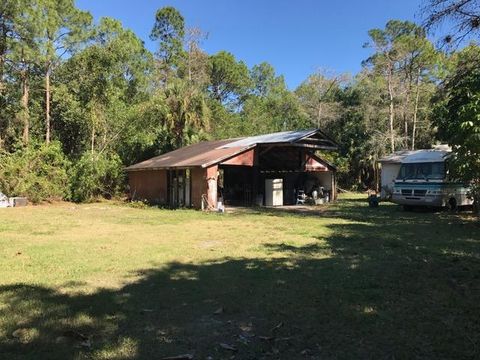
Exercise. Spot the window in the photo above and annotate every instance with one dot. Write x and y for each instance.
(422, 171)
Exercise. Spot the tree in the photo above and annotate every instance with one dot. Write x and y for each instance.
(99, 88)
(458, 118)
(463, 14)
(318, 94)
(188, 115)
(16, 53)
(385, 61)
(265, 80)
(271, 107)
(194, 67)
(169, 31)
(229, 79)
(61, 29)
(418, 59)
(402, 57)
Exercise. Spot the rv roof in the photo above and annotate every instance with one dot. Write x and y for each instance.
(422, 156)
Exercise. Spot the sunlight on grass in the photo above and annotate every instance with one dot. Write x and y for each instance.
(103, 281)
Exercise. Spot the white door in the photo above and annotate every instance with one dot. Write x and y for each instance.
(273, 192)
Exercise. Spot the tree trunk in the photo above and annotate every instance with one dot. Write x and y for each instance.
(391, 109)
(319, 115)
(415, 110)
(93, 116)
(25, 110)
(47, 105)
(2, 62)
(92, 140)
(3, 51)
(405, 118)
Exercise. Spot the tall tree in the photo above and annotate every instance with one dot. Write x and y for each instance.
(100, 86)
(61, 29)
(396, 58)
(318, 95)
(271, 106)
(264, 79)
(9, 11)
(194, 67)
(18, 51)
(169, 31)
(464, 15)
(188, 116)
(229, 79)
(417, 61)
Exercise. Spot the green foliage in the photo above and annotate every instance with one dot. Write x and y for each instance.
(265, 80)
(229, 78)
(169, 30)
(188, 115)
(458, 117)
(38, 172)
(110, 95)
(100, 88)
(319, 96)
(96, 175)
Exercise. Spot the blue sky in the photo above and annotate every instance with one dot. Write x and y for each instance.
(297, 37)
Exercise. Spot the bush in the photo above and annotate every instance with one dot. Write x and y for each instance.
(96, 175)
(38, 172)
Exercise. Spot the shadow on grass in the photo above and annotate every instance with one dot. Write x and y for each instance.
(391, 285)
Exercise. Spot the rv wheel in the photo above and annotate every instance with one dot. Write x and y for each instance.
(452, 204)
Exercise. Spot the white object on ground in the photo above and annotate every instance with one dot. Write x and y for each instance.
(4, 201)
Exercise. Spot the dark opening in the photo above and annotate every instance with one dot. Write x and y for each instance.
(235, 185)
(179, 188)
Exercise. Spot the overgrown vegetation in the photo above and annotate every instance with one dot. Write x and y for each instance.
(96, 89)
(347, 281)
(37, 171)
(459, 118)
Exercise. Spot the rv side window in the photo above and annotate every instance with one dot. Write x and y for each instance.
(438, 170)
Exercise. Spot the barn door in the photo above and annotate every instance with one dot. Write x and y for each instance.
(179, 188)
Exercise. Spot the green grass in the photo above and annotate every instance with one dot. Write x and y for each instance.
(348, 282)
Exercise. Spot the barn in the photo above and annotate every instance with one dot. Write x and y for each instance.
(273, 169)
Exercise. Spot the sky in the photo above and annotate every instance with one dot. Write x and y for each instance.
(298, 37)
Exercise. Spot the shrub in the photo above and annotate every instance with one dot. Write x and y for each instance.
(38, 172)
(96, 175)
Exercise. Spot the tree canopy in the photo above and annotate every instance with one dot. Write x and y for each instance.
(105, 101)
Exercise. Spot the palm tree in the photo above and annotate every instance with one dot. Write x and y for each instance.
(188, 115)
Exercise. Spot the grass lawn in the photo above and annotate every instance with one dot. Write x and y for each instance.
(107, 281)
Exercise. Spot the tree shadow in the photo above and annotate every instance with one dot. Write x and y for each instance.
(383, 286)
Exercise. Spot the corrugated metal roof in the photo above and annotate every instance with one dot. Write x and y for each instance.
(397, 156)
(279, 137)
(423, 156)
(429, 155)
(193, 155)
(211, 152)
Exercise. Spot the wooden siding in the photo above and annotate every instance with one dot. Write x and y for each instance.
(199, 186)
(314, 164)
(243, 159)
(149, 185)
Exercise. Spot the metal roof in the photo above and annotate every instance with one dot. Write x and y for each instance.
(190, 156)
(438, 153)
(211, 152)
(279, 137)
(396, 157)
(423, 156)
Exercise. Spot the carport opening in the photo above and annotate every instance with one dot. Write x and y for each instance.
(236, 185)
(299, 181)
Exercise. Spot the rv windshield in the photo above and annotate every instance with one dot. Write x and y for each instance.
(422, 171)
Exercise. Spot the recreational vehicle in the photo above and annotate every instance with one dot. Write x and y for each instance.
(423, 180)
